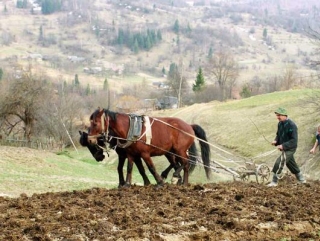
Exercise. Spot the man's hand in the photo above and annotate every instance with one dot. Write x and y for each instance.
(280, 147)
(273, 143)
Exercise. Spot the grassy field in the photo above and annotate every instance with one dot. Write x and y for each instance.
(238, 131)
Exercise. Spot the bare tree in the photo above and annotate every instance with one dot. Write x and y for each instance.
(61, 116)
(176, 81)
(225, 70)
(256, 83)
(289, 77)
(313, 31)
(19, 107)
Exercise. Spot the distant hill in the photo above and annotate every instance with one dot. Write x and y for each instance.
(265, 37)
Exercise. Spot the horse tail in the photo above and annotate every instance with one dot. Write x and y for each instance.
(192, 157)
(205, 148)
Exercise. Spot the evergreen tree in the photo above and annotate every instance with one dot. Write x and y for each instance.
(246, 92)
(210, 54)
(159, 35)
(153, 37)
(40, 33)
(50, 6)
(189, 28)
(199, 82)
(136, 46)
(105, 84)
(65, 85)
(163, 70)
(22, 4)
(172, 70)
(113, 26)
(138, 41)
(178, 40)
(265, 33)
(147, 43)
(88, 91)
(176, 27)
(120, 39)
(76, 81)
(5, 8)
(1, 73)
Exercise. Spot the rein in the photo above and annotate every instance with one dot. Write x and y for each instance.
(174, 154)
(103, 134)
(194, 136)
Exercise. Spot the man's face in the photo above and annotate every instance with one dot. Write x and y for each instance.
(281, 117)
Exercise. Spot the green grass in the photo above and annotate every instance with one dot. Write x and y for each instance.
(240, 127)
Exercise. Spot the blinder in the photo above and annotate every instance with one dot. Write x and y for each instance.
(94, 139)
(95, 150)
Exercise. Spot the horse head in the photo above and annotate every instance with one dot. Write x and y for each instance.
(98, 125)
(96, 150)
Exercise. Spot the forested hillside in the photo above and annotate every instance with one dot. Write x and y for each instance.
(76, 55)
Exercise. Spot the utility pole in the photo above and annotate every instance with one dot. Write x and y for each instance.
(180, 84)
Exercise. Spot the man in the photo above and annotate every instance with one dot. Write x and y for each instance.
(317, 142)
(286, 141)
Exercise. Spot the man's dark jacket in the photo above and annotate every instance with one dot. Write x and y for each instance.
(287, 135)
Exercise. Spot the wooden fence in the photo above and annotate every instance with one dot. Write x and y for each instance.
(49, 144)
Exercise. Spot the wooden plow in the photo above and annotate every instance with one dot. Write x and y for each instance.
(261, 172)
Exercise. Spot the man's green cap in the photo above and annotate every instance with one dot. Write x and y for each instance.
(281, 111)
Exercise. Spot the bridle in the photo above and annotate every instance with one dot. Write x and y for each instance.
(104, 131)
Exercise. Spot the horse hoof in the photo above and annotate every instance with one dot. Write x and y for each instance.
(126, 185)
(158, 186)
(163, 176)
(175, 180)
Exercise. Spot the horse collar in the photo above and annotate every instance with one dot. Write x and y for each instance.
(104, 119)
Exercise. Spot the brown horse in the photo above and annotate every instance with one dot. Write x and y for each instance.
(171, 137)
(98, 150)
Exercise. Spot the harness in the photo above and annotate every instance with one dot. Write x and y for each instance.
(134, 132)
(135, 128)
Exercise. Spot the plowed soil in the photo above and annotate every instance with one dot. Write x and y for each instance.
(228, 211)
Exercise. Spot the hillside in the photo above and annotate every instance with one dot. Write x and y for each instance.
(238, 131)
(67, 195)
(80, 38)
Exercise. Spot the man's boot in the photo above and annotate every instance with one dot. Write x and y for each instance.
(300, 178)
(274, 182)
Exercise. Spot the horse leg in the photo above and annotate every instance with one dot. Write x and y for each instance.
(184, 160)
(176, 179)
(147, 159)
(165, 173)
(121, 159)
(129, 170)
(138, 162)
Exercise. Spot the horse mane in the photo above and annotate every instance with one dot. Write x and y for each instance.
(93, 115)
(111, 114)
